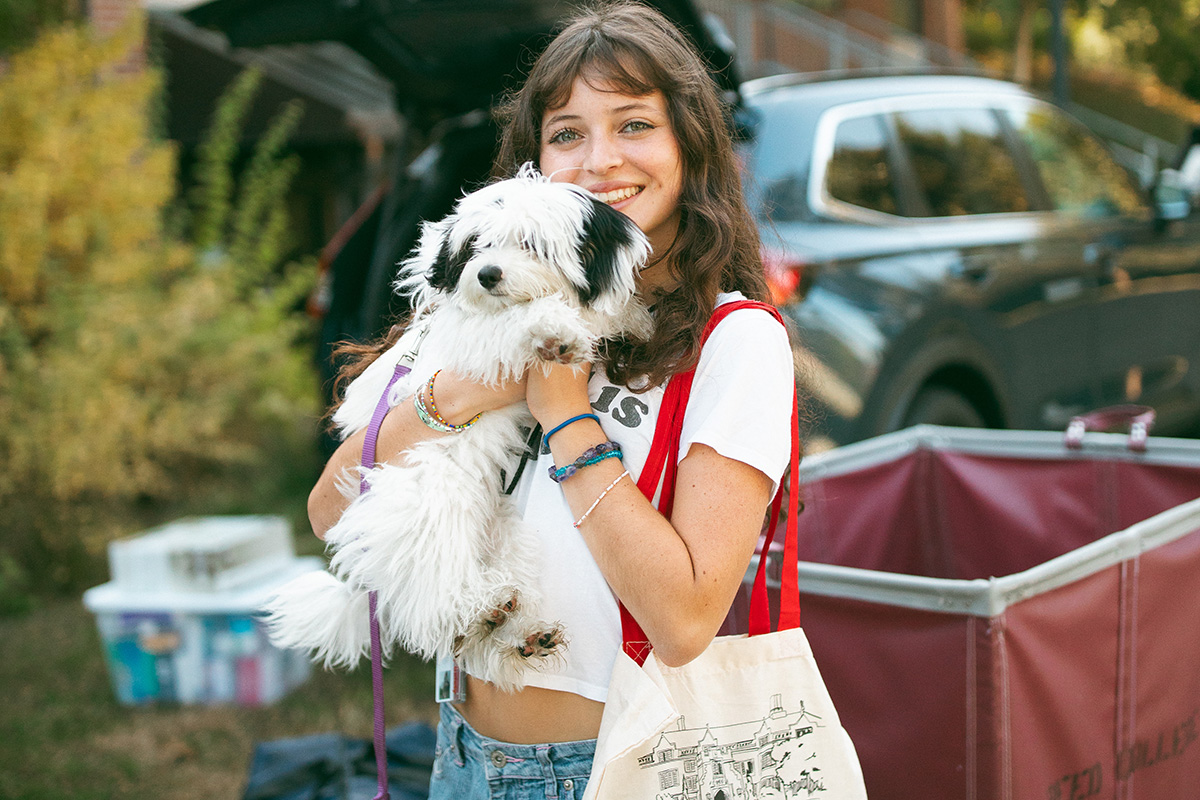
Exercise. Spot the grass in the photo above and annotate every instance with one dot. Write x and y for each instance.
(63, 735)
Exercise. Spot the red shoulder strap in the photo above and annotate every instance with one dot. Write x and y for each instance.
(660, 469)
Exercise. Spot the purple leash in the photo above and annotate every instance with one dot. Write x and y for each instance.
(368, 462)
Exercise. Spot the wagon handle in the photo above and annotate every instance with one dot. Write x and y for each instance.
(1140, 420)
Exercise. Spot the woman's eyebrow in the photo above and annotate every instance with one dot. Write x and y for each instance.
(557, 118)
(635, 106)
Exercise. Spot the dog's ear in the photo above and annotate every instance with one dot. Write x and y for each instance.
(448, 265)
(603, 251)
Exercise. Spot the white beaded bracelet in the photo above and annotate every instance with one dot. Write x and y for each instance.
(596, 502)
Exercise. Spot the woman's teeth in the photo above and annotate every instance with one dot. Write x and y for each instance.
(617, 195)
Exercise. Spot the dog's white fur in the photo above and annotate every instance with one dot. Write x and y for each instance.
(435, 536)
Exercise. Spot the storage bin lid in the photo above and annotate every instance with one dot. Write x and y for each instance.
(110, 598)
(967, 521)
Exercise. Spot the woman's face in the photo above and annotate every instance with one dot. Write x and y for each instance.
(621, 148)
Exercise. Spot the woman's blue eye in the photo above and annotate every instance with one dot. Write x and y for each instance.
(638, 125)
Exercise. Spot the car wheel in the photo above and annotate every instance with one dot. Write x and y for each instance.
(937, 405)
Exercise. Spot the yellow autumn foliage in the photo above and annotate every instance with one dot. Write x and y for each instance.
(134, 372)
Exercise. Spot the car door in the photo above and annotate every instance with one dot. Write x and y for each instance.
(1017, 281)
(841, 318)
(1146, 308)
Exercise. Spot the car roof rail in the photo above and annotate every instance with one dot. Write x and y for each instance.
(829, 75)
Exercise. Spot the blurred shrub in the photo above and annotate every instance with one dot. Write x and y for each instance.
(141, 372)
(20, 20)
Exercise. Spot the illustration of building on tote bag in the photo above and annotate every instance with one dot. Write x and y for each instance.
(760, 759)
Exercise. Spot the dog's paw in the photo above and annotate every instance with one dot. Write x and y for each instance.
(498, 616)
(558, 351)
(542, 644)
(505, 606)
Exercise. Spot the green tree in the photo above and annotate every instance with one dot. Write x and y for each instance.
(1164, 34)
(140, 374)
(20, 20)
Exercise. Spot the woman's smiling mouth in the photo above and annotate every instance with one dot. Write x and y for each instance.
(617, 195)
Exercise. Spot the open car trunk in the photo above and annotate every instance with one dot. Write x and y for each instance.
(448, 61)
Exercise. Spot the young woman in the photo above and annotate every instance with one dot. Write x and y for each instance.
(620, 104)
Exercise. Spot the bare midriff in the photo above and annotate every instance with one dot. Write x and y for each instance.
(530, 716)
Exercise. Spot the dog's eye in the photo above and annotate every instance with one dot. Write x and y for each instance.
(529, 244)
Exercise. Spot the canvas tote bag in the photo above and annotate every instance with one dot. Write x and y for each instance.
(749, 718)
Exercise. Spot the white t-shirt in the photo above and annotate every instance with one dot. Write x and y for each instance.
(740, 405)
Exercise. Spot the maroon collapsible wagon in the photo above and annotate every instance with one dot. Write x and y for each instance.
(999, 616)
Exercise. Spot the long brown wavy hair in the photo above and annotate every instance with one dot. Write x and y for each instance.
(634, 49)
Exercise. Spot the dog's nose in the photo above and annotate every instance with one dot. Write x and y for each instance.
(489, 276)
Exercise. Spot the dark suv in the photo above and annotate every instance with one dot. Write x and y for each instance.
(954, 250)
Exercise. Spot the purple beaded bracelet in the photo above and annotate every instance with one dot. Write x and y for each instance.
(593, 455)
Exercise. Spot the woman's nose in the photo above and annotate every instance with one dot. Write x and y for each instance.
(603, 155)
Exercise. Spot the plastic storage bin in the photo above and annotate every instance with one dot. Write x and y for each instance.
(999, 617)
(195, 647)
(179, 621)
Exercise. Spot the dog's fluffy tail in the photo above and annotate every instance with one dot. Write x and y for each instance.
(319, 613)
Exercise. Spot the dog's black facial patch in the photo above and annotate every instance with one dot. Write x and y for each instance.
(605, 232)
(448, 266)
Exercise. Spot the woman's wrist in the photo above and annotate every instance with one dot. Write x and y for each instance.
(449, 401)
(549, 434)
(575, 439)
(426, 408)
(458, 400)
(556, 394)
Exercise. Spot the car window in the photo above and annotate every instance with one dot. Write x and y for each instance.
(777, 161)
(960, 161)
(1079, 175)
(858, 172)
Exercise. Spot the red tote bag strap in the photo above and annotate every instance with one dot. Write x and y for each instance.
(660, 468)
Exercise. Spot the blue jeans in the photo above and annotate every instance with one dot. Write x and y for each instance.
(467, 766)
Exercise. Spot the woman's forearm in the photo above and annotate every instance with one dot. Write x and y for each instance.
(339, 481)
(676, 577)
(457, 401)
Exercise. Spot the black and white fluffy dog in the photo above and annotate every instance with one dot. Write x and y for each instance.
(523, 271)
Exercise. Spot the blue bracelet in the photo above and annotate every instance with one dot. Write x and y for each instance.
(560, 426)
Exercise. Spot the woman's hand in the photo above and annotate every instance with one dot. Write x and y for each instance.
(556, 392)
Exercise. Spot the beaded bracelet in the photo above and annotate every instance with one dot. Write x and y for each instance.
(593, 455)
(560, 426)
(429, 413)
(596, 502)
